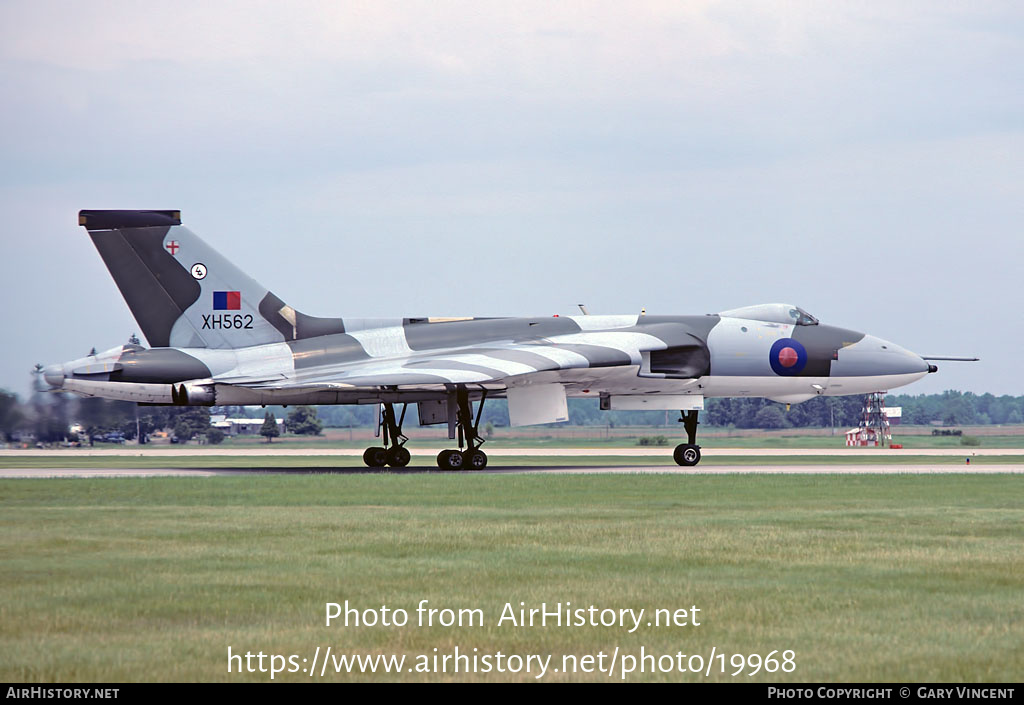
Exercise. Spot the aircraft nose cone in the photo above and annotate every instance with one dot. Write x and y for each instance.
(907, 360)
(874, 356)
(54, 375)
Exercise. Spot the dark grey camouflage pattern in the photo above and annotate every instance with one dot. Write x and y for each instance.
(217, 334)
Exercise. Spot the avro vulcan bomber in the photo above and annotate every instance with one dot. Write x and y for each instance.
(219, 337)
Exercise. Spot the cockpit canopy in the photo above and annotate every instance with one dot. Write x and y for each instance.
(773, 313)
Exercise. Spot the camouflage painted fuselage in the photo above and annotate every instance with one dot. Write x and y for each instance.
(219, 337)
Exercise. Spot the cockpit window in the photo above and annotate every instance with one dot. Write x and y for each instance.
(802, 318)
(773, 313)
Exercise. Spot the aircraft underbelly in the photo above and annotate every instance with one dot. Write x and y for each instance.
(763, 386)
(622, 380)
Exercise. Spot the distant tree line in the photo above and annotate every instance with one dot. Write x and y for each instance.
(46, 417)
(949, 408)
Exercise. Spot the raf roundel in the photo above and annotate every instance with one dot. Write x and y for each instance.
(787, 357)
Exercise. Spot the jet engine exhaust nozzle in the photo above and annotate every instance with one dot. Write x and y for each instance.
(54, 375)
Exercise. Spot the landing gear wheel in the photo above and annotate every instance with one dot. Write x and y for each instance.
(450, 460)
(686, 454)
(375, 457)
(475, 460)
(398, 457)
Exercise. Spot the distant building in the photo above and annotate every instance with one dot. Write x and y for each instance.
(862, 436)
(240, 427)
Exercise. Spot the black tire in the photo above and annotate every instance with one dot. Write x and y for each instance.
(450, 460)
(686, 455)
(444, 460)
(398, 457)
(375, 457)
(475, 460)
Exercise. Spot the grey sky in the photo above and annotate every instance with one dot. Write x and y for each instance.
(861, 160)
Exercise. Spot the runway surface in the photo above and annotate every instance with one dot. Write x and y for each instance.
(662, 451)
(845, 469)
(423, 459)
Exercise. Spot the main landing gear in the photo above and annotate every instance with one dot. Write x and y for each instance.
(472, 458)
(394, 452)
(688, 453)
(467, 457)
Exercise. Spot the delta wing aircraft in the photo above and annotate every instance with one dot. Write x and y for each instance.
(219, 337)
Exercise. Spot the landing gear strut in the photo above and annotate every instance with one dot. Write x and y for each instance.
(472, 458)
(688, 453)
(394, 452)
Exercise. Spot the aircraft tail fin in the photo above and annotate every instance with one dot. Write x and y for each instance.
(182, 292)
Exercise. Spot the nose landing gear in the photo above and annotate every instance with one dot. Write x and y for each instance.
(688, 454)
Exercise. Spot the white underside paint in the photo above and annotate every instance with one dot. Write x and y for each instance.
(790, 386)
(624, 381)
(124, 391)
(537, 404)
(656, 402)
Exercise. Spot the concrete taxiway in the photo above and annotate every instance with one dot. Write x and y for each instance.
(201, 457)
(823, 469)
(657, 451)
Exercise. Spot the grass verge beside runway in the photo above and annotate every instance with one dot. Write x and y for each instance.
(866, 578)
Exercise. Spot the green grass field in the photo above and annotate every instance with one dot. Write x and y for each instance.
(866, 578)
